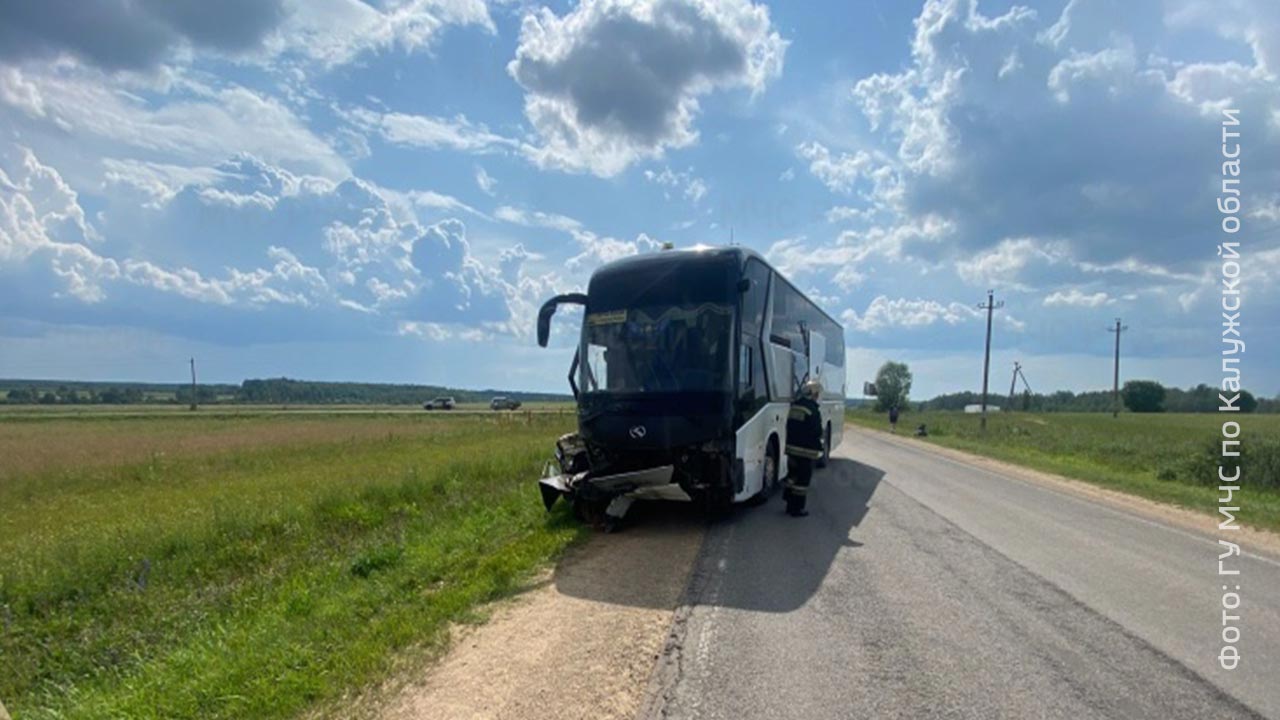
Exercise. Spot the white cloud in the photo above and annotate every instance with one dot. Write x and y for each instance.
(1108, 69)
(1072, 127)
(484, 181)
(357, 250)
(19, 92)
(41, 220)
(427, 330)
(613, 81)
(1255, 22)
(1006, 265)
(1267, 210)
(193, 125)
(537, 218)
(838, 173)
(435, 201)
(845, 213)
(884, 313)
(432, 133)
(690, 186)
(597, 250)
(854, 249)
(41, 216)
(1077, 298)
(335, 32)
(1069, 158)
(159, 181)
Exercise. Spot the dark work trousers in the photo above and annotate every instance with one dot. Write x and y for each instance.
(797, 487)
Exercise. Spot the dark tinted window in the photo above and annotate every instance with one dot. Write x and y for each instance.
(753, 300)
(665, 348)
(680, 279)
(791, 310)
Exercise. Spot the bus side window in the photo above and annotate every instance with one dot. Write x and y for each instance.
(753, 300)
(744, 366)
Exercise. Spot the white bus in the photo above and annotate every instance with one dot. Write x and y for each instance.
(686, 366)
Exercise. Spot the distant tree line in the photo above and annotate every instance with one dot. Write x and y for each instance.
(287, 391)
(63, 395)
(278, 391)
(1137, 396)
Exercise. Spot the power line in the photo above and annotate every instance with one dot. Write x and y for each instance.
(990, 306)
(1115, 379)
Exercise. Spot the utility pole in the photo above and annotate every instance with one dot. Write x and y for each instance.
(1115, 379)
(990, 306)
(1013, 381)
(193, 383)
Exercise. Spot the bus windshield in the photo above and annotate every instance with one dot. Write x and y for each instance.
(663, 348)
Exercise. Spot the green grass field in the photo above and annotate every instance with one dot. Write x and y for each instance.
(253, 565)
(1167, 457)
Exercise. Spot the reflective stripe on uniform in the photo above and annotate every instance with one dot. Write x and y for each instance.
(797, 490)
(804, 452)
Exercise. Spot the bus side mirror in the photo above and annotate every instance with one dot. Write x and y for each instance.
(544, 323)
(549, 309)
(744, 284)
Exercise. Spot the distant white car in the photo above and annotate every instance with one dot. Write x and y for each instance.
(504, 403)
(440, 403)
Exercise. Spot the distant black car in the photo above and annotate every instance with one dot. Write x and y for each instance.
(440, 403)
(504, 403)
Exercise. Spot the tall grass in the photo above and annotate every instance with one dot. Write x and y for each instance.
(1166, 457)
(255, 582)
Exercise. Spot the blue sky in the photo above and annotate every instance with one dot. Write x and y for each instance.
(386, 191)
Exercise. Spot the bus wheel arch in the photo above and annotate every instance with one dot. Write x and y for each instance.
(772, 456)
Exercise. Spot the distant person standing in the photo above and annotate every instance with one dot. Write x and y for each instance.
(804, 446)
(893, 418)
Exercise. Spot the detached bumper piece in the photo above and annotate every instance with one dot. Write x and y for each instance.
(614, 492)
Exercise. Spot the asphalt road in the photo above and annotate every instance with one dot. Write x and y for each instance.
(924, 587)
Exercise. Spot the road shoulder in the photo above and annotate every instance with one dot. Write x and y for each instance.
(580, 644)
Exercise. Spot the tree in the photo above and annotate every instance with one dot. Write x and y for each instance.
(893, 385)
(1248, 403)
(24, 395)
(1143, 396)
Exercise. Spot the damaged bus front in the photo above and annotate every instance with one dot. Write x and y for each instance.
(672, 381)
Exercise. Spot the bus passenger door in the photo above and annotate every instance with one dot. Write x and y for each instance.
(817, 356)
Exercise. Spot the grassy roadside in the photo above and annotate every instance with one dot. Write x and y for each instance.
(259, 580)
(1170, 458)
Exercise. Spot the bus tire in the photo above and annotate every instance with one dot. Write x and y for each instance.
(769, 482)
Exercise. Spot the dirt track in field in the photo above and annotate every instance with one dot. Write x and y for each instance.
(580, 645)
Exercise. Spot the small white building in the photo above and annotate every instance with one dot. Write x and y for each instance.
(975, 409)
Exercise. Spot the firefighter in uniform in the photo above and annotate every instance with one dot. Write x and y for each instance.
(804, 446)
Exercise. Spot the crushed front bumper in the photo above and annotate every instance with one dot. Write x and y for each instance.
(650, 483)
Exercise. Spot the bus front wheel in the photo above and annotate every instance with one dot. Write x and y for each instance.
(768, 474)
